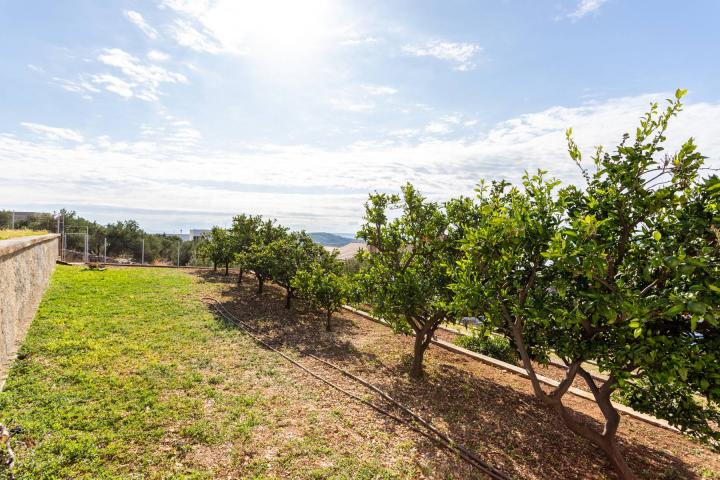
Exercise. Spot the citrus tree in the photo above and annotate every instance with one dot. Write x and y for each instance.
(404, 275)
(640, 261)
(259, 257)
(243, 233)
(291, 253)
(323, 285)
(217, 248)
(623, 273)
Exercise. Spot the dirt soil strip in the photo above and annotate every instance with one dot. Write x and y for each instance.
(491, 411)
(523, 373)
(330, 377)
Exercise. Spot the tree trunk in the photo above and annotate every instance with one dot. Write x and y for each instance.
(416, 371)
(616, 458)
(261, 281)
(327, 321)
(288, 297)
(227, 269)
(605, 440)
(240, 277)
(214, 266)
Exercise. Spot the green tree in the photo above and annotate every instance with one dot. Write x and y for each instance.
(5, 219)
(323, 285)
(217, 248)
(292, 253)
(243, 233)
(623, 273)
(259, 258)
(504, 276)
(403, 271)
(641, 259)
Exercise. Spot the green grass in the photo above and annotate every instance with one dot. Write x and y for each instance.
(125, 374)
(7, 234)
(107, 373)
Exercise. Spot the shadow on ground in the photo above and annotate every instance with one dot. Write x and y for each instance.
(506, 427)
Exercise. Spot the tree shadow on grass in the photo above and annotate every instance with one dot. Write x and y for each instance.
(507, 428)
(298, 327)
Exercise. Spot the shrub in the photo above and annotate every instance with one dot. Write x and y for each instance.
(491, 345)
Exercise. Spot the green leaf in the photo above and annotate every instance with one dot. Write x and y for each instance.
(698, 308)
(637, 332)
(657, 236)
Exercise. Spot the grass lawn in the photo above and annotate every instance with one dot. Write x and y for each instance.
(125, 374)
(7, 234)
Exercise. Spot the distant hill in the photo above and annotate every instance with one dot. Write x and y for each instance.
(331, 239)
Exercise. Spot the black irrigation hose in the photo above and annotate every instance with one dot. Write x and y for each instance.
(436, 436)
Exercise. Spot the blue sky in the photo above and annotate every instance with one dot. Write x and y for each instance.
(182, 113)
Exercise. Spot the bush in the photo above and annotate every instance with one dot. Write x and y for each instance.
(491, 345)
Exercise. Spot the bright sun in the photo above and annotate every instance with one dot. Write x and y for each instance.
(275, 28)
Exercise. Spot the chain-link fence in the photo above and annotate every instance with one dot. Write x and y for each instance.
(86, 247)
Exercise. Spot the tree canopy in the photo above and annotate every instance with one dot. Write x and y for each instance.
(404, 273)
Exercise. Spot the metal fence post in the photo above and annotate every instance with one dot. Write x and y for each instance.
(86, 253)
(105, 250)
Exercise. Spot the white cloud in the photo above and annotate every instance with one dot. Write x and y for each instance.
(157, 56)
(444, 125)
(460, 54)
(142, 80)
(405, 132)
(53, 133)
(312, 187)
(348, 105)
(188, 36)
(114, 84)
(585, 7)
(440, 128)
(83, 86)
(354, 41)
(379, 90)
(138, 20)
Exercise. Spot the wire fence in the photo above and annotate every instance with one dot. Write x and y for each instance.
(84, 247)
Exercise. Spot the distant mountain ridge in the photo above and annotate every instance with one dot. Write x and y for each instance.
(331, 239)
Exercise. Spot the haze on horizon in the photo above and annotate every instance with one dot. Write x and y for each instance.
(181, 114)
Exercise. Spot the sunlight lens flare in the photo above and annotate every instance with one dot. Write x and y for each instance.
(275, 28)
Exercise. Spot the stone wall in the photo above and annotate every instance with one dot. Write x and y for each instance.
(25, 267)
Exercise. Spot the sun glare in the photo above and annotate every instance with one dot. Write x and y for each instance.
(275, 28)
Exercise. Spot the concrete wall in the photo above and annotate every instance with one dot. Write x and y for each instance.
(25, 267)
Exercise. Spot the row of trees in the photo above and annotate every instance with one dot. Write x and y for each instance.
(622, 272)
(290, 259)
(123, 239)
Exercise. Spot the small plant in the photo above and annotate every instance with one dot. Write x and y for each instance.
(485, 343)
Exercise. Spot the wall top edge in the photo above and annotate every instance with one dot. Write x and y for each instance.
(12, 245)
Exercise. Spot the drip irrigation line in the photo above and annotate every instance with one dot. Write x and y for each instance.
(432, 432)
